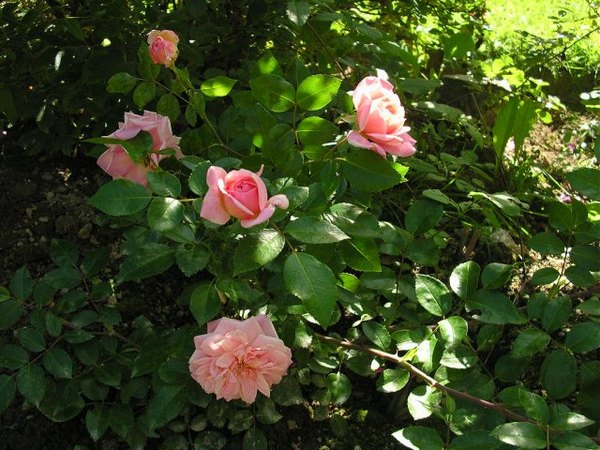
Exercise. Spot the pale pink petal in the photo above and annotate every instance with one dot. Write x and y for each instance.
(212, 208)
(266, 325)
(264, 215)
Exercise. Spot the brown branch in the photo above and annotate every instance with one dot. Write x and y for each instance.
(434, 383)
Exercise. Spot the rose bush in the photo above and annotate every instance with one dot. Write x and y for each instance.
(240, 194)
(237, 359)
(117, 162)
(380, 118)
(163, 47)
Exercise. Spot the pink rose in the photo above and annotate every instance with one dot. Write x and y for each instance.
(163, 47)
(380, 118)
(116, 161)
(240, 194)
(235, 359)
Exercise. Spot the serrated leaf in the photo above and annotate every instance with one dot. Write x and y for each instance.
(12, 356)
(31, 383)
(464, 279)
(165, 405)
(149, 260)
(191, 260)
(298, 12)
(419, 438)
(21, 284)
(495, 308)
(423, 215)
(547, 243)
(529, 342)
(369, 172)
(219, 86)
(168, 105)
(361, 254)
(573, 441)
(317, 91)
(254, 439)
(58, 363)
(377, 334)
(433, 295)
(165, 213)
(453, 331)
(392, 380)
(120, 198)
(96, 421)
(10, 313)
(520, 434)
(559, 362)
(586, 181)
(32, 339)
(314, 283)
(339, 387)
(312, 230)
(94, 261)
(121, 83)
(144, 93)
(7, 391)
(274, 92)
(205, 303)
(256, 250)
(64, 253)
(584, 337)
(164, 183)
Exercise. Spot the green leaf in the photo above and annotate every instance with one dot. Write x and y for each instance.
(464, 279)
(312, 230)
(453, 331)
(63, 402)
(547, 243)
(120, 419)
(165, 213)
(587, 257)
(32, 339)
(369, 172)
(317, 91)
(205, 303)
(433, 295)
(149, 260)
(266, 410)
(529, 342)
(10, 313)
(63, 278)
(274, 92)
(586, 181)
(256, 250)
(254, 439)
(423, 401)
(546, 275)
(191, 260)
(377, 334)
(144, 93)
(13, 356)
(198, 103)
(7, 391)
(461, 357)
(534, 406)
(584, 337)
(423, 251)
(164, 183)
(392, 380)
(520, 434)
(474, 440)
(95, 261)
(579, 276)
(314, 283)
(419, 438)
(21, 284)
(361, 254)
(559, 362)
(197, 179)
(298, 12)
(121, 83)
(573, 441)
(556, 313)
(495, 308)
(339, 387)
(97, 420)
(569, 421)
(166, 405)
(120, 198)
(4, 294)
(64, 253)
(31, 382)
(423, 215)
(218, 86)
(496, 275)
(168, 105)
(58, 363)
(316, 131)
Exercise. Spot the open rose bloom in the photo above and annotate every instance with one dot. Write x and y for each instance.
(380, 118)
(162, 45)
(237, 359)
(116, 161)
(240, 194)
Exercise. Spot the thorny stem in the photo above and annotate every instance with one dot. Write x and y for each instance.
(434, 383)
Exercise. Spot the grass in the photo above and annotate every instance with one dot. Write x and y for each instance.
(572, 26)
